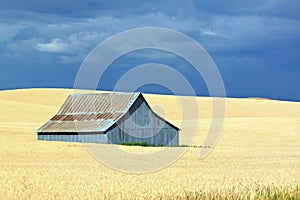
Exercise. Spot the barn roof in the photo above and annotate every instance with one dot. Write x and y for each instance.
(90, 112)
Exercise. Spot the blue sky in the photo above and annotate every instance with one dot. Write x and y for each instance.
(255, 44)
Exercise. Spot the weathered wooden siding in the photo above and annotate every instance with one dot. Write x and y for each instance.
(71, 137)
(140, 124)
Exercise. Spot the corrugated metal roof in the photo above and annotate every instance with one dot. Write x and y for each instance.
(90, 112)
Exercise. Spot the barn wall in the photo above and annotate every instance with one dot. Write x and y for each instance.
(142, 125)
(71, 137)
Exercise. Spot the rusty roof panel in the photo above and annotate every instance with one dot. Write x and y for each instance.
(84, 117)
(78, 126)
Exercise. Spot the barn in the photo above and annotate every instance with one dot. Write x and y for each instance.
(111, 118)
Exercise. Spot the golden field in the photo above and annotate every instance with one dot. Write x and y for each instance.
(257, 155)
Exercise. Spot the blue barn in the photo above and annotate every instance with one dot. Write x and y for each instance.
(111, 118)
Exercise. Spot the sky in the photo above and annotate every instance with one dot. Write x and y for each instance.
(255, 44)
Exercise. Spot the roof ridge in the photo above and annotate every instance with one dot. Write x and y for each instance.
(101, 93)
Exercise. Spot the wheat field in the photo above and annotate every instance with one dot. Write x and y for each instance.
(256, 157)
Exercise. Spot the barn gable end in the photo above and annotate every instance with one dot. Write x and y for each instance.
(141, 124)
(108, 118)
